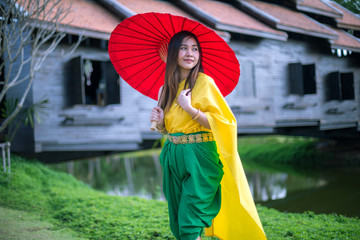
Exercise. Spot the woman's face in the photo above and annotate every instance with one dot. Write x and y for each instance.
(188, 55)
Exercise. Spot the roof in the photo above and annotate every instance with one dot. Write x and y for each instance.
(286, 19)
(143, 6)
(318, 7)
(349, 19)
(224, 16)
(345, 41)
(85, 17)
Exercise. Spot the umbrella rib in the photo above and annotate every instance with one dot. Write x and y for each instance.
(218, 81)
(153, 35)
(183, 24)
(223, 58)
(195, 27)
(154, 27)
(172, 24)
(223, 74)
(169, 35)
(222, 65)
(134, 49)
(216, 49)
(132, 57)
(208, 32)
(147, 40)
(131, 65)
(149, 74)
(144, 69)
(152, 86)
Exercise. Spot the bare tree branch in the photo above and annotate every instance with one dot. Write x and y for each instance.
(27, 25)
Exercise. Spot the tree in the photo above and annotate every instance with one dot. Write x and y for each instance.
(352, 5)
(29, 32)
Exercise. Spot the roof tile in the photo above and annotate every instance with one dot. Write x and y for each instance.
(143, 6)
(89, 15)
(293, 20)
(346, 41)
(319, 6)
(349, 19)
(228, 14)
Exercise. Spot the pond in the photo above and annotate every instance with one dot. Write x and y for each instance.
(322, 191)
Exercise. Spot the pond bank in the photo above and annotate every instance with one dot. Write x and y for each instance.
(66, 202)
(298, 152)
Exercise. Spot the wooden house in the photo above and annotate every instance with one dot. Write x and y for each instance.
(300, 74)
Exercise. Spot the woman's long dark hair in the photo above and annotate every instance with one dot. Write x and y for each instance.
(172, 71)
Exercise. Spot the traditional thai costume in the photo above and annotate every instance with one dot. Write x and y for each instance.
(203, 178)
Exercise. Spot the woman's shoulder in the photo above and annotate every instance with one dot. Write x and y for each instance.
(204, 79)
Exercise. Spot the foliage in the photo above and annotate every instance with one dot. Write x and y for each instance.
(94, 215)
(27, 116)
(278, 150)
(352, 5)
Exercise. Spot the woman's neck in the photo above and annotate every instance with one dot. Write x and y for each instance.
(183, 75)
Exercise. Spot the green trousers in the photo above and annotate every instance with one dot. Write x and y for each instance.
(191, 183)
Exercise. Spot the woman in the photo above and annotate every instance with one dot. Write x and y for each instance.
(194, 113)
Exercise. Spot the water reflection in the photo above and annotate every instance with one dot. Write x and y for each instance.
(267, 186)
(142, 176)
(122, 176)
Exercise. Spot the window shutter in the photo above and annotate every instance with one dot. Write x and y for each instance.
(296, 85)
(112, 84)
(75, 82)
(332, 89)
(246, 85)
(309, 78)
(347, 86)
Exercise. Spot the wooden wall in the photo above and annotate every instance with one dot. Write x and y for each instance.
(261, 102)
(278, 108)
(81, 127)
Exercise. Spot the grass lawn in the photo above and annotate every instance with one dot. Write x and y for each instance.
(55, 203)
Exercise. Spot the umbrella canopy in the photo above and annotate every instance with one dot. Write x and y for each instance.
(138, 47)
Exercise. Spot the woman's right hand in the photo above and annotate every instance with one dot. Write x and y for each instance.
(157, 115)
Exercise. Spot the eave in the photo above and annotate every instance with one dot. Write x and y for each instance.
(217, 24)
(334, 14)
(251, 32)
(276, 23)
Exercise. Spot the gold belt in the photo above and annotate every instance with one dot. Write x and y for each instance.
(191, 138)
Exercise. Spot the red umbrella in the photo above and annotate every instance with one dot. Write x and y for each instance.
(139, 43)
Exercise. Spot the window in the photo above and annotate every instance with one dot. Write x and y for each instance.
(246, 84)
(339, 86)
(247, 80)
(302, 79)
(92, 82)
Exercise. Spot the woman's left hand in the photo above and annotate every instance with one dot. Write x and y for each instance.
(184, 99)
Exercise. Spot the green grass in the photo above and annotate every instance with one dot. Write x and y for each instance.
(61, 200)
(297, 152)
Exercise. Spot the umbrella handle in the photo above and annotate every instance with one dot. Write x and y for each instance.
(153, 126)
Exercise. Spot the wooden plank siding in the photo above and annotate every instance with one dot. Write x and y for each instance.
(274, 105)
(81, 127)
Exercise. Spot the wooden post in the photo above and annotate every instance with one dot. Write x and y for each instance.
(5, 150)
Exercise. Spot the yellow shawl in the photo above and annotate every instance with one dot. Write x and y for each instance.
(238, 217)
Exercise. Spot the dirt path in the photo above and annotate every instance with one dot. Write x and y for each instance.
(15, 224)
